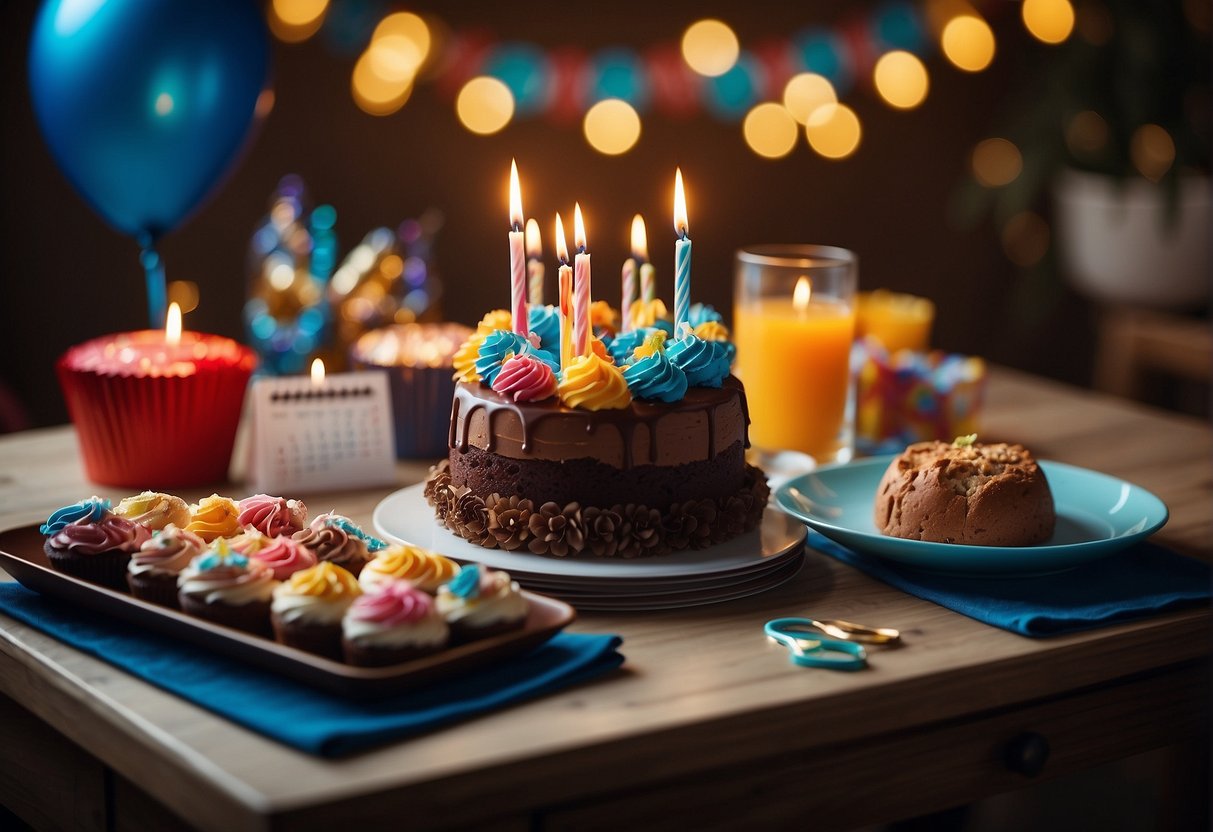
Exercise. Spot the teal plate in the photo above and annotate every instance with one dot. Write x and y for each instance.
(1097, 515)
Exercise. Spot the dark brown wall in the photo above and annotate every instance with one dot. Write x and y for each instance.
(65, 276)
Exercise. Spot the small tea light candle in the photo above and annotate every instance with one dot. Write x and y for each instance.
(156, 408)
(419, 360)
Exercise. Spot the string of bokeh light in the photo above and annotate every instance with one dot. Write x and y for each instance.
(784, 95)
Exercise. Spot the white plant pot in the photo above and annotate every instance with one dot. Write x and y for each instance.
(1119, 246)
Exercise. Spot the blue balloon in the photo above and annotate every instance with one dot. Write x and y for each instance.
(145, 103)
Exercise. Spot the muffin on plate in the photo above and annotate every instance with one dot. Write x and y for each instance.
(424, 569)
(308, 608)
(153, 570)
(154, 510)
(214, 517)
(87, 541)
(272, 516)
(229, 589)
(395, 622)
(480, 602)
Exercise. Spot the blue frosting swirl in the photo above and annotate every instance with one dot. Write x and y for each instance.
(466, 584)
(373, 544)
(656, 377)
(85, 511)
(544, 321)
(621, 345)
(706, 363)
(701, 313)
(499, 345)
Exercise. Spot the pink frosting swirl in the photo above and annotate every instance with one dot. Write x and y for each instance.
(107, 534)
(526, 378)
(169, 550)
(272, 516)
(392, 603)
(285, 556)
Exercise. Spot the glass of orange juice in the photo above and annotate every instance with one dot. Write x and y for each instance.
(794, 322)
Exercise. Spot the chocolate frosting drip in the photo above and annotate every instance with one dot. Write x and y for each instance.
(472, 397)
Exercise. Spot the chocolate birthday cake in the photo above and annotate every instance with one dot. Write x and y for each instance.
(635, 448)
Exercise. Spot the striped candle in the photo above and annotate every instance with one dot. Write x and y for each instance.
(648, 283)
(581, 287)
(534, 263)
(517, 256)
(682, 259)
(629, 294)
(566, 296)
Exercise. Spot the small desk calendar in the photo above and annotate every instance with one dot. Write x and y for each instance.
(316, 437)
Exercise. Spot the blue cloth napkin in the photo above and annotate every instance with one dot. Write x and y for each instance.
(1138, 582)
(295, 714)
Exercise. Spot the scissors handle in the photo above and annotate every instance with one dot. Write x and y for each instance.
(808, 650)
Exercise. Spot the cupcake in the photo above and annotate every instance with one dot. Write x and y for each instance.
(249, 542)
(307, 609)
(284, 557)
(340, 521)
(394, 623)
(426, 570)
(481, 602)
(96, 546)
(155, 510)
(333, 544)
(272, 516)
(229, 589)
(214, 517)
(153, 570)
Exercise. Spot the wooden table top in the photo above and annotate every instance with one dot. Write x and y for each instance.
(699, 684)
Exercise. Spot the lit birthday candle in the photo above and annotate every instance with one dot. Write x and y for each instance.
(534, 263)
(630, 266)
(581, 287)
(648, 279)
(682, 259)
(566, 296)
(517, 257)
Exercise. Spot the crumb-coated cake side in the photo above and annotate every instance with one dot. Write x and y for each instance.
(973, 494)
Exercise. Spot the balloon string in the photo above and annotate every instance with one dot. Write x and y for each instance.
(157, 292)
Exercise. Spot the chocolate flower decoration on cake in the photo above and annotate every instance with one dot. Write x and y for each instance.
(526, 379)
(544, 321)
(509, 520)
(85, 511)
(653, 376)
(500, 345)
(704, 362)
(556, 530)
(592, 383)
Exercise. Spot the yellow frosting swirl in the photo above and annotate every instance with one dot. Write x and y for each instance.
(324, 580)
(213, 517)
(248, 542)
(496, 319)
(424, 569)
(712, 331)
(603, 316)
(590, 383)
(654, 343)
(465, 358)
(648, 314)
(154, 510)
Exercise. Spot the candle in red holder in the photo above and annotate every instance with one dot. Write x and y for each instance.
(156, 409)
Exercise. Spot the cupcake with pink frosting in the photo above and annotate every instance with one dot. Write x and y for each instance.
(249, 542)
(284, 556)
(272, 516)
(153, 570)
(88, 541)
(394, 623)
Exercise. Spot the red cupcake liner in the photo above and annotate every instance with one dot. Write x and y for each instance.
(157, 431)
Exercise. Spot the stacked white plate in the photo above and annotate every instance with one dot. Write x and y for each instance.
(746, 565)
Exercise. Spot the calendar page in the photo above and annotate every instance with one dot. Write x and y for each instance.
(308, 437)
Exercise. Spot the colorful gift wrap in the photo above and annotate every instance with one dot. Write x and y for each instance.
(419, 361)
(913, 396)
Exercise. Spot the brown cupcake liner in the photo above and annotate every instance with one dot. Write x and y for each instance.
(251, 618)
(154, 587)
(362, 655)
(462, 632)
(320, 639)
(107, 569)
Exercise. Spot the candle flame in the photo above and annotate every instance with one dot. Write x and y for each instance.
(534, 244)
(562, 246)
(516, 218)
(640, 239)
(801, 294)
(172, 325)
(681, 226)
(578, 227)
(317, 372)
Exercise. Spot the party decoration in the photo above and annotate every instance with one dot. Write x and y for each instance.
(145, 104)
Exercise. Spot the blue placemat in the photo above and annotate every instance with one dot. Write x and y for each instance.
(300, 716)
(1138, 582)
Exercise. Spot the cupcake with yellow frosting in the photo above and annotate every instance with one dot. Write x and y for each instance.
(155, 510)
(426, 570)
(214, 517)
(307, 610)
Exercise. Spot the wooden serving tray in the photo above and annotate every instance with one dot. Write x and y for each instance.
(22, 556)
